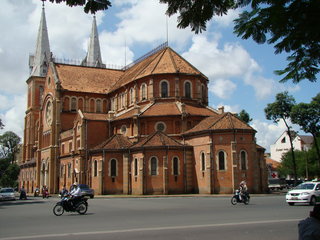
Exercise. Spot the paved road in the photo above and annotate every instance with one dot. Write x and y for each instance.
(154, 218)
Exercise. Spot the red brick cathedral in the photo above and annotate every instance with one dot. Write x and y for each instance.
(143, 129)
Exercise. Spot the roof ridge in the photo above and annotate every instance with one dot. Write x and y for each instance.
(163, 52)
(156, 54)
(173, 62)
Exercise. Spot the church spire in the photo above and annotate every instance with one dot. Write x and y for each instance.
(93, 58)
(40, 61)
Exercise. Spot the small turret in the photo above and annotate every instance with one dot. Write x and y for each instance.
(93, 58)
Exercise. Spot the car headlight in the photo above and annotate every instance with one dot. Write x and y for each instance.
(305, 193)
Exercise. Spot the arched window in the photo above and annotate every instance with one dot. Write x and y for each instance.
(73, 104)
(136, 167)
(131, 95)
(243, 160)
(222, 162)
(187, 89)
(98, 106)
(175, 166)
(203, 161)
(143, 91)
(41, 90)
(154, 166)
(164, 89)
(113, 168)
(95, 168)
(69, 170)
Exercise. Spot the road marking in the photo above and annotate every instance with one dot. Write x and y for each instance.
(150, 229)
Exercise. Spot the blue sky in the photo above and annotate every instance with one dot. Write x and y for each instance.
(241, 72)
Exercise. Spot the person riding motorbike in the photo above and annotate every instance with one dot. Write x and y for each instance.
(63, 191)
(75, 195)
(243, 189)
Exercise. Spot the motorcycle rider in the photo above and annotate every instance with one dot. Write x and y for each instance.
(75, 194)
(243, 189)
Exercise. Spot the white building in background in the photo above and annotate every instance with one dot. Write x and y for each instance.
(282, 144)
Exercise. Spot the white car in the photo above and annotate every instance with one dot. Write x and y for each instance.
(7, 194)
(307, 192)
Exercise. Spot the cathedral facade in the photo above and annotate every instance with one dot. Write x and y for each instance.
(143, 129)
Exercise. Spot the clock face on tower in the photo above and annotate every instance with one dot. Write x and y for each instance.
(49, 113)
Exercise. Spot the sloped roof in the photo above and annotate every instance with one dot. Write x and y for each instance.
(224, 121)
(117, 141)
(163, 109)
(199, 110)
(157, 139)
(86, 79)
(164, 61)
(306, 139)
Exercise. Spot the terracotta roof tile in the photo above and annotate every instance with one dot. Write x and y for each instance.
(220, 122)
(87, 79)
(163, 109)
(199, 110)
(157, 139)
(164, 61)
(117, 141)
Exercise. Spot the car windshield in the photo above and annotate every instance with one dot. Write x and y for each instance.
(6, 190)
(309, 186)
(83, 186)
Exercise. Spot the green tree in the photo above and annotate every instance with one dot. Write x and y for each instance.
(91, 6)
(244, 116)
(9, 169)
(281, 110)
(307, 164)
(9, 145)
(308, 117)
(292, 26)
(1, 124)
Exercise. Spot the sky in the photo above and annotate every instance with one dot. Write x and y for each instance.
(241, 72)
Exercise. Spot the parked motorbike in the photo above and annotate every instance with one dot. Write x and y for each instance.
(45, 194)
(23, 194)
(80, 206)
(237, 198)
(36, 192)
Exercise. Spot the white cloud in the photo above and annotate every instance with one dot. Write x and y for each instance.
(223, 88)
(223, 65)
(13, 118)
(268, 132)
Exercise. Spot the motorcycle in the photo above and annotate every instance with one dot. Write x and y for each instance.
(36, 192)
(244, 198)
(80, 206)
(45, 194)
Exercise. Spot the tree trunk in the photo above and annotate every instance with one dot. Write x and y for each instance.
(292, 153)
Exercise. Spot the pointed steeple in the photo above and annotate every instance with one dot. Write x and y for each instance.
(40, 61)
(93, 58)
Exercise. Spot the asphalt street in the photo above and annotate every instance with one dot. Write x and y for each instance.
(266, 217)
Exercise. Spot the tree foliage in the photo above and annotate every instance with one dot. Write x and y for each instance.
(9, 169)
(9, 145)
(307, 116)
(292, 26)
(281, 110)
(91, 6)
(1, 124)
(307, 164)
(244, 116)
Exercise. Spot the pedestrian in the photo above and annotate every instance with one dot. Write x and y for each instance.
(309, 228)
